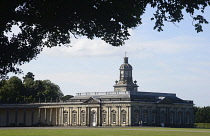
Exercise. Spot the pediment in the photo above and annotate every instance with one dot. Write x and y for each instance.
(165, 101)
(92, 100)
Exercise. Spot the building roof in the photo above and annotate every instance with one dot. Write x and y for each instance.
(149, 97)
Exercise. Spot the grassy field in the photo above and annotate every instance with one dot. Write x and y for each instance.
(202, 125)
(128, 131)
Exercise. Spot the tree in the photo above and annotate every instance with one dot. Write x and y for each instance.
(52, 23)
(202, 114)
(52, 91)
(12, 90)
(29, 75)
(16, 91)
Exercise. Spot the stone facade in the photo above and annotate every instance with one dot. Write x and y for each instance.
(125, 106)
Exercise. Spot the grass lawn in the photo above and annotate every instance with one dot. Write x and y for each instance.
(118, 131)
(202, 125)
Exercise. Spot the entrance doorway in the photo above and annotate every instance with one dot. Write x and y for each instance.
(93, 118)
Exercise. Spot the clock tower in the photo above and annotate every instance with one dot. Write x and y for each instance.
(126, 82)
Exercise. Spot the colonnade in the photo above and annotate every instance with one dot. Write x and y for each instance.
(96, 115)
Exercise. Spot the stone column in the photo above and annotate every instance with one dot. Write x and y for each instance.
(7, 120)
(157, 116)
(87, 116)
(16, 117)
(32, 117)
(175, 121)
(109, 116)
(100, 116)
(56, 116)
(184, 118)
(50, 116)
(149, 115)
(117, 116)
(39, 115)
(120, 121)
(78, 116)
(97, 117)
(24, 117)
(61, 116)
(129, 119)
(45, 115)
(69, 117)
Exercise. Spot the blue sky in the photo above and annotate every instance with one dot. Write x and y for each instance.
(176, 60)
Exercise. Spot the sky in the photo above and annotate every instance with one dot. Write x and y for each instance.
(176, 60)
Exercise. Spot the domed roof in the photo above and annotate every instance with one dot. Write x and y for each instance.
(126, 66)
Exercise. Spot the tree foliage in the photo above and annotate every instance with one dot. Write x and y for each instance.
(202, 114)
(49, 23)
(16, 91)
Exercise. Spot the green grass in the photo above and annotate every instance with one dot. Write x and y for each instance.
(202, 125)
(120, 131)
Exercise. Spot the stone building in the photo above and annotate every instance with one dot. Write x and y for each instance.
(125, 106)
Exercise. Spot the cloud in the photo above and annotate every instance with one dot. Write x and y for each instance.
(84, 47)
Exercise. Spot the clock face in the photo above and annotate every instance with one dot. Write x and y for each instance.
(122, 72)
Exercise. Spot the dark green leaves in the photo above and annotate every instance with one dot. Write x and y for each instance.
(52, 23)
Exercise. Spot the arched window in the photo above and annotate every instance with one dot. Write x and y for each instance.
(180, 117)
(123, 118)
(188, 117)
(113, 116)
(82, 116)
(153, 116)
(65, 117)
(145, 116)
(74, 116)
(104, 116)
(172, 117)
(136, 116)
(162, 117)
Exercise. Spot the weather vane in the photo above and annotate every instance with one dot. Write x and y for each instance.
(125, 53)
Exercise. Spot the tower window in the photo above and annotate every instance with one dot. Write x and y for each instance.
(126, 73)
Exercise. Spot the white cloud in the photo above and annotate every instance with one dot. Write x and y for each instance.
(84, 47)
